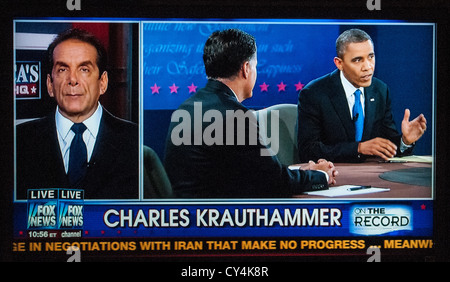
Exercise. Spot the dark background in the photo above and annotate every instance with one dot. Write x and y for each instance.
(419, 11)
(121, 41)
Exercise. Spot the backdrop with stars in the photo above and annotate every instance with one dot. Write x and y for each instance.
(173, 66)
(291, 53)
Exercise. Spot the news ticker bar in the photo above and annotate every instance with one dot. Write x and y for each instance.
(230, 246)
(62, 213)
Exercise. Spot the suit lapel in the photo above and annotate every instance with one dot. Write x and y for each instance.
(52, 151)
(105, 145)
(340, 104)
(369, 112)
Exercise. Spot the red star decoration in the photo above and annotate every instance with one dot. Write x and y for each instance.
(173, 88)
(423, 207)
(155, 89)
(264, 87)
(192, 88)
(281, 87)
(299, 86)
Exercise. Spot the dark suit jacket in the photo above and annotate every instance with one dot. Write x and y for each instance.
(112, 171)
(325, 127)
(229, 171)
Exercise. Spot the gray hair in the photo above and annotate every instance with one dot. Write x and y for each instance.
(350, 36)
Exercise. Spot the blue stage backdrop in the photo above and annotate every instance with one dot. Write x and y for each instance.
(290, 54)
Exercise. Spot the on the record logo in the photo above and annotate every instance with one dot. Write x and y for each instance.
(380, 219)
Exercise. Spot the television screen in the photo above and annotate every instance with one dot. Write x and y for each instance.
(162, 182)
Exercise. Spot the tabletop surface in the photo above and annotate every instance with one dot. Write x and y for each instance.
(368, 173)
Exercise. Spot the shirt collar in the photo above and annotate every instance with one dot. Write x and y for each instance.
(234, 94)
(64, 124)
(348, 87)
(228, 87)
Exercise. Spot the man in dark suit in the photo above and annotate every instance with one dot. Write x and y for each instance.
(346, 115)
(204, 158)
(108, 146)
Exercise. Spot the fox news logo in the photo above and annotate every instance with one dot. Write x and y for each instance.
(380, 219)
(55, 208)
(42, 215)
(70, 215)
(27, 80)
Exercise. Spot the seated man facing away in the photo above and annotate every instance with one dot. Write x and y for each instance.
(219, 160)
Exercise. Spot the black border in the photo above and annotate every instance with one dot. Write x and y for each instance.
(436, 11)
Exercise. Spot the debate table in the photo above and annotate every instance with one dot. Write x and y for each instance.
(369, 172)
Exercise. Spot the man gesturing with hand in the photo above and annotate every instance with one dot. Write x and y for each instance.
(346, 115)
(384, 148)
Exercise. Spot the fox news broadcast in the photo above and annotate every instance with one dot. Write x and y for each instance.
(239, 132)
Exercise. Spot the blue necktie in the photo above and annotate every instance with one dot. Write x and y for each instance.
(358, 116)
(77, 156)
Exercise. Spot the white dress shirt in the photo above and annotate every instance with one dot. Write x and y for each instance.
(349, 91)
(65, 135)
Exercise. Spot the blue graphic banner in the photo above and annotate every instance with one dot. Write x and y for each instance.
(293, 219)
